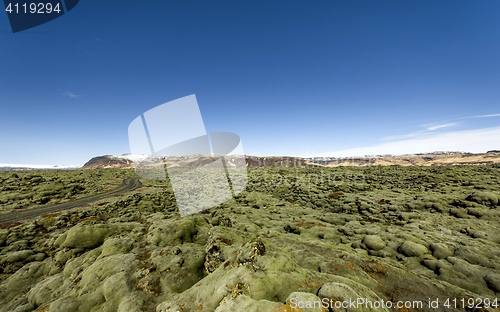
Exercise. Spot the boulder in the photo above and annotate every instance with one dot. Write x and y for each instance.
(374, 242)
(87, 236)
(411, 249)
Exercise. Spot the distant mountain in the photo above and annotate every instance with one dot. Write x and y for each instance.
(126, 161)
(423, 159)
(17, 167)
(108, 162)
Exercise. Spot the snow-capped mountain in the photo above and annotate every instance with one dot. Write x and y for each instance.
(37, 167)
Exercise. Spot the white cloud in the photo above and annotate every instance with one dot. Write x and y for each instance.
(71, 94)
(432, 128)
(474, 141)
(420, 133)
(483, 116)
(405, 136)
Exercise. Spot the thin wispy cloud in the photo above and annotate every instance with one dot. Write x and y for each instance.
(421, 133)
(71, 94)
(474, 141)
(432, 128)
(484, 116)
(405, 136)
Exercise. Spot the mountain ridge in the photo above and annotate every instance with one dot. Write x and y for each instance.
(126, 161)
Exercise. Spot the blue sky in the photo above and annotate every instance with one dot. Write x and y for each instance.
(290, 77)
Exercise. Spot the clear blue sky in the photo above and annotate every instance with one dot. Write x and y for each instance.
(290, 77)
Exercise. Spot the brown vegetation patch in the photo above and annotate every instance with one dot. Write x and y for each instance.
(44, 308)
(226, 241)
(50, 215)
(336, 195)
(9, 225)
(91, 219)
(374, 269)
(41, 228)
(145, 257)
(351, 266)
(367, 220)
(309, 224)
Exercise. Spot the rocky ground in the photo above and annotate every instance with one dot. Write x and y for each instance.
(294, 235)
